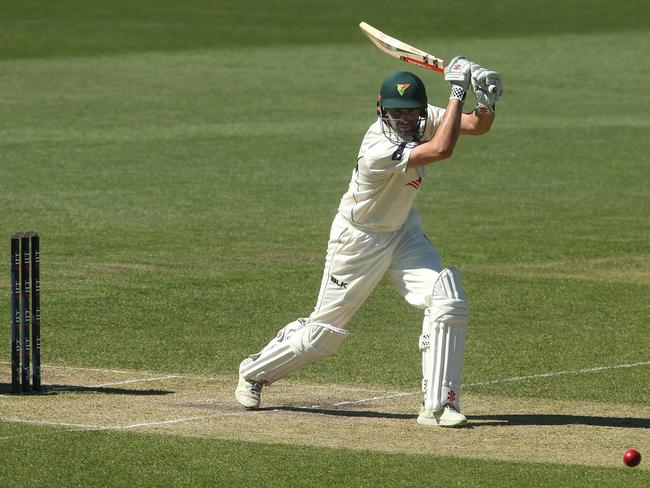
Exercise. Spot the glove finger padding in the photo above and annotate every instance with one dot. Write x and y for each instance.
(482, 79)
(458, 72)
(492, 78)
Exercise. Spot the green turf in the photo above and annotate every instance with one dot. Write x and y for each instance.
(90, 27)
(127, 459)
(183, 162)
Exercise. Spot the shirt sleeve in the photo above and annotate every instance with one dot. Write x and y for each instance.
(434, 115)
(388, 157)
(385, 156)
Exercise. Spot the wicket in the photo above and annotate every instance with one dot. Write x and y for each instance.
(25, 263)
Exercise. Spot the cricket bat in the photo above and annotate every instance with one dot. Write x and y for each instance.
(400, 50)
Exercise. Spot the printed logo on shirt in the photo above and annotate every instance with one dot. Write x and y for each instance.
(399, 152)
(415, 183)
(401, 88)
(340, 284)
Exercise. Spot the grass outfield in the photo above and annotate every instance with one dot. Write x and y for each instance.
(151, 460)
(183, 162)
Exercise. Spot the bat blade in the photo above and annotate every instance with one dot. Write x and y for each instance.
(400, 50)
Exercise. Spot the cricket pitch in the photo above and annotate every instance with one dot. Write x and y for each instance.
(299, 413)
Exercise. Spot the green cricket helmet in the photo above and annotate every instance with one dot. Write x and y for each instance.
(402, 90)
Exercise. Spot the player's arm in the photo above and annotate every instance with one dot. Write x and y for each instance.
(480, 121)
(476, 123)
(441, 146)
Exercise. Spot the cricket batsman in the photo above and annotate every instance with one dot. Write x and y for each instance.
(377, 233)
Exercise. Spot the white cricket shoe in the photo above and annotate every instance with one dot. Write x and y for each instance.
(248, 393)
(448, 416)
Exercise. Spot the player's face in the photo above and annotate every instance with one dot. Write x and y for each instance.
(404, 121)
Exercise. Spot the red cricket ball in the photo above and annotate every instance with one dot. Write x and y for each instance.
(632, 458)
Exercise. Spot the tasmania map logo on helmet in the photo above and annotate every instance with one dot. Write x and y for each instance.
(401, 87)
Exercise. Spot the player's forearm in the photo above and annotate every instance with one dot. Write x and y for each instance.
(475, 124)
(441, 146)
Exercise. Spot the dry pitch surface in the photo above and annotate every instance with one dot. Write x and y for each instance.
(299, 413)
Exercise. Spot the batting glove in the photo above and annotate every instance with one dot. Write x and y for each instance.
(482, 80)
(458, 73)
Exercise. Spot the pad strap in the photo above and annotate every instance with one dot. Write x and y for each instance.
(296, 345)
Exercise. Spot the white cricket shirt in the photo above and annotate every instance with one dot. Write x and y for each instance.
(382, 188)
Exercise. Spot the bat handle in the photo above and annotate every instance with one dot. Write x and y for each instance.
(492, 89)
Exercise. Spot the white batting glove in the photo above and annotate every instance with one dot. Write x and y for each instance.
(482, 80)
(458, 73)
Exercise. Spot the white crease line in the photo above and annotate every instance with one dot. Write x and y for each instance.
(96, 370)
(117, 371)
(344, 388)
(391, 395)
(162, 422)
(350, 402)
(134, 372)
(50, 423)
(496, 382)
(366, 400)
(128, 426)
(104, 385)
(137, 380)
(46, 433)
(187, 419)
(559, 373)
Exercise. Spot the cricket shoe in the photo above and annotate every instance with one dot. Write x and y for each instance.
(248, 393)
(447, 416)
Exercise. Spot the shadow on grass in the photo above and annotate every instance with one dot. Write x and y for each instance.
(343, 413)
(478, 421)
(545, 419)
(5, 389)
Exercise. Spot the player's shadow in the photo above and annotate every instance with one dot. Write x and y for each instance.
(5, 389)
(343, 413)
(478, 421)
(549, 419)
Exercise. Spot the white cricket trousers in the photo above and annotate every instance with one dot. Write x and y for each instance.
(357, 260)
